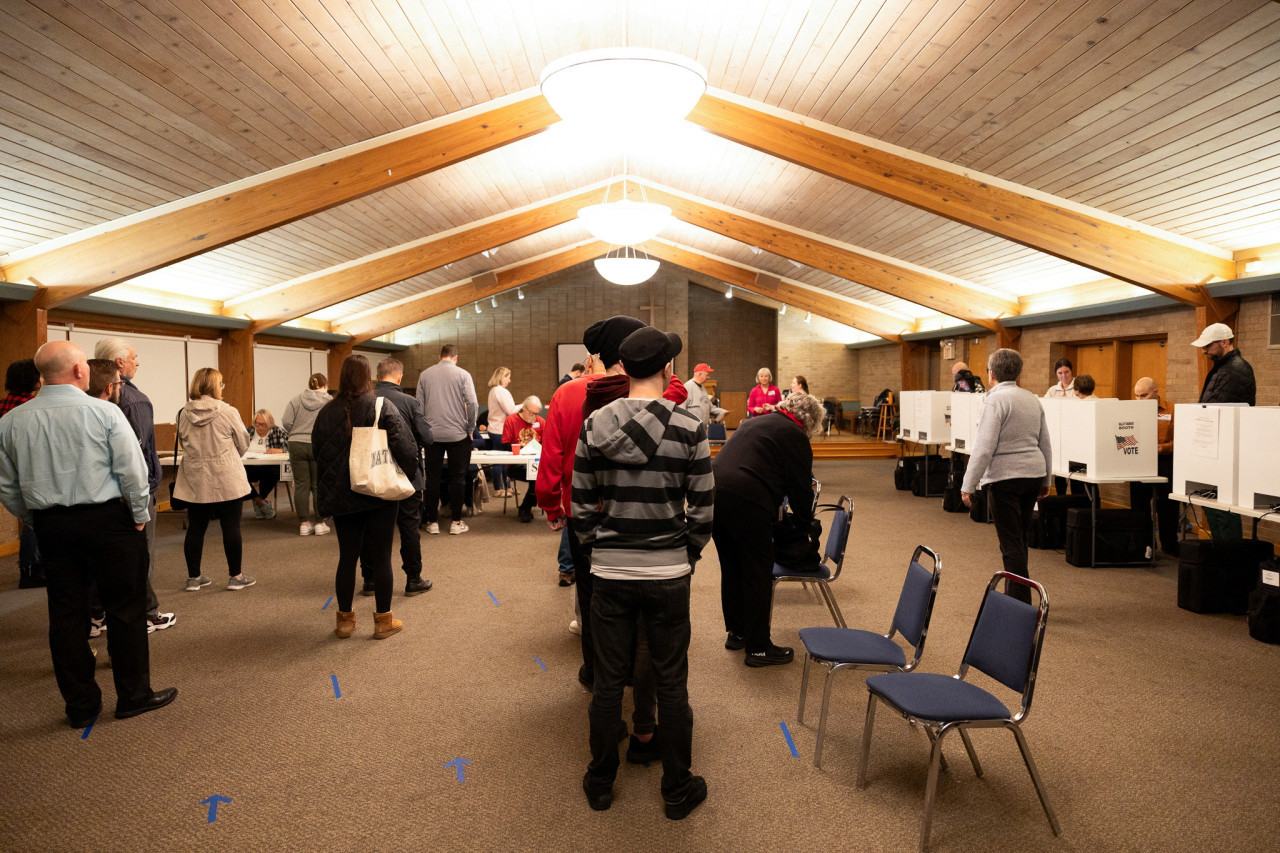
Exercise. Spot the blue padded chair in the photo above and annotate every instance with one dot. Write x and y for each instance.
(832, 559)
(1005, 645)
(849, 648)
(716, 434)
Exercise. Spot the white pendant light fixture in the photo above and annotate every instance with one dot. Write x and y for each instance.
(623, 86)
(626, 268)
(625, 222)
(728, 294)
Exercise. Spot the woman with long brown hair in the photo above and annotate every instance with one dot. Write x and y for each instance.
(365, 525)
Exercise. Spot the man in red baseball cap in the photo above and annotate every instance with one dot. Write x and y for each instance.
(700, 403)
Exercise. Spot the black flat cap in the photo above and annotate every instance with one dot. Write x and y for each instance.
(646, 350)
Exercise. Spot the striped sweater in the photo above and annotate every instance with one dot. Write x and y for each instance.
(642, 485)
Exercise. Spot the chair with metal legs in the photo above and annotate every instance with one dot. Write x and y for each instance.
(1005, 644)
(832, 560)
(849, 648)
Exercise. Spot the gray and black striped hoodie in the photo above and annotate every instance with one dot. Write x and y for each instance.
(642, 488)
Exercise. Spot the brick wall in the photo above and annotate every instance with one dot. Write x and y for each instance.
(817, 351)
(734, 336)
(1252, 337)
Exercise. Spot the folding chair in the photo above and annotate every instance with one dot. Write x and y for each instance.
(1005, 645)
(716, 434)
(832, 559)
(849, 648)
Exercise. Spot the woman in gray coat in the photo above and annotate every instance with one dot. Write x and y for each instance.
(1011, 459)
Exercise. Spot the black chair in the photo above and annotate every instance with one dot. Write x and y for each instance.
(1005, 645)
(832, 560)
(849, 648)
(716, 434)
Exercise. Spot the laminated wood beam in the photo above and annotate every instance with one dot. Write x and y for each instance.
(1032, 219)
(108, 254)
(905, 282)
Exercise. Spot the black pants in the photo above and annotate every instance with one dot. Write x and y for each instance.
(459, 461)
(409, 519)
(1140, 498)
(265, 476)
(743, 533)
(365, 537)
(581, 559)
(530, 501)
(82, 545)
(1012, 503)
(664, 605)
(198, 517)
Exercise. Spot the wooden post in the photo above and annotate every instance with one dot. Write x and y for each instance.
(1006, 338)
(235, 362)
(1223, 311)
(337, 355)
(24, 328)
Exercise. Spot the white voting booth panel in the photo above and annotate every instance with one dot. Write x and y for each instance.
(965, 410)
(1206, 448)
(1053, 419)
(923, 416)
(1109, 438)
(1259, 480)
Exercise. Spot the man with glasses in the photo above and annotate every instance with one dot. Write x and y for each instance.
(523, 427)
(138, 410)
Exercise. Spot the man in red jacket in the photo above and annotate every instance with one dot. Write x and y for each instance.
(560, 442)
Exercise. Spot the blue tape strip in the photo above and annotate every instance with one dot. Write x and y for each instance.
(88, 728)
(791, 744)
(327, 603)
(337, 694)
(495, 600)
(538, 660)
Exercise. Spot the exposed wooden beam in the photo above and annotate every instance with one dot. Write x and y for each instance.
(862, 317)
(905, 282)
(1033, 219)
(314, 291)
(406, 312)
(119, 250)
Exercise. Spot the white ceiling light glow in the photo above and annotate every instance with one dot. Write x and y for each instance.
(625, 222)
(626, 268)
(728, 294)
(623, 86)
(519, 293)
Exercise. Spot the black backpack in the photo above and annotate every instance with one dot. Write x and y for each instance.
(797, 546)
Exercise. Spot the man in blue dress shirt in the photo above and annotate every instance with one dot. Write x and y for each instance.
(70, 465)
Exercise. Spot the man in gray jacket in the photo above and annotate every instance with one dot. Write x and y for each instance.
(1012, 459)
(448, 397)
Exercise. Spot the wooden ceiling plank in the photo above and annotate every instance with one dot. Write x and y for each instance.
(330, 286)
(199, 224)
(939, 294)
(1160, 265)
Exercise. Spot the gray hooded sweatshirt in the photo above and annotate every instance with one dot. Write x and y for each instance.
(300, 414)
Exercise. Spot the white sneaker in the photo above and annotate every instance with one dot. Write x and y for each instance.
(458, 527)
(160, 622)
(321, 528)
(575, 628)
(306, 529)
(433, 528)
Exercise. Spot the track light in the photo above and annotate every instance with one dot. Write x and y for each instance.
(808, 316)
(457, 314)
(493, 300)
(728, 294)
(520, 293)
(477, 307)
(489, 253)
(782, 312)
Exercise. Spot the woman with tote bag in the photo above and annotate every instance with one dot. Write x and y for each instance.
(365, 524)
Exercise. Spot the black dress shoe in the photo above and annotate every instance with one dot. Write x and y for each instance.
(696, 794)
(735, 642)
(772, 656)
(599, 796)
(417, 586)
(525, 516)
(85, 721)
(158, 700)
(367, 589)
(31, 581)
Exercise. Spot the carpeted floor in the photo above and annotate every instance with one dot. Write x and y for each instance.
(1154, 728)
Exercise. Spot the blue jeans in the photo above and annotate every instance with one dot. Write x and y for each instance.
(615, 607)
(564, 557)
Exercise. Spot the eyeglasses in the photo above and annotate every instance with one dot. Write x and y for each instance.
(260, 423)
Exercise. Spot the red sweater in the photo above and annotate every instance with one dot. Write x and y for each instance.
(560, 441)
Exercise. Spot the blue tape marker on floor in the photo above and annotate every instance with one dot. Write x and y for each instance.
(88, 728)
(328, 601)
(495, 600)
(791, 744)
(538, 660)
(337, 694)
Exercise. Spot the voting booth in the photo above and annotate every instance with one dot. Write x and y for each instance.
(1259, 458)
(965, 410)
(923, 416)
(1108, 438)
(1206, 447)
(1053, 419)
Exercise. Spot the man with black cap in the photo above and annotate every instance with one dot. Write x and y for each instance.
(1230, 380)
(642, 506)
(560, 441)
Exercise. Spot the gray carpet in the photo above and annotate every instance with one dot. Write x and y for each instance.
(1153, 727)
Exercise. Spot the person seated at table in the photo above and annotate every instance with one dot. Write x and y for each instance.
(520, 429)
(1084, 386)
(264, 438)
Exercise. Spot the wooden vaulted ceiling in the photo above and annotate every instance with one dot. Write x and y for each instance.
(880, 163)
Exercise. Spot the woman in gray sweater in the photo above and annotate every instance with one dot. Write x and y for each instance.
(299, 417)
(1011, 459)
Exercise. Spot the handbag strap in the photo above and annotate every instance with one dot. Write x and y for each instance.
(377, 410)
(176, 418)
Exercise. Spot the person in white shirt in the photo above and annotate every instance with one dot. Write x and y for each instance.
(501, 404)
(1066, 386)
(699, 403)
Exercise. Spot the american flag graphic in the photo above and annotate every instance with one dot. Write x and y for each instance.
(1123, 441)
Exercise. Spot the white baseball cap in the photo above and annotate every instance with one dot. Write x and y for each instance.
(1215, 332)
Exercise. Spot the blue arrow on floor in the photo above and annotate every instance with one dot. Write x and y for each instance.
(458, 763)
(539, 662)
(791, 744)
(213, 802)
(495, 599)
(327, 602)
(337, 694)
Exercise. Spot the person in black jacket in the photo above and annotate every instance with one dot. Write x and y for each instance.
(1230, 380)
(409, 515)
(769, 458)
(365, 525)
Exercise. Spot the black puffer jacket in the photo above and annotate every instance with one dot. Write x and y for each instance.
(331, 444)
(1230, 381)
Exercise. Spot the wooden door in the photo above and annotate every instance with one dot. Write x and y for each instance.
(1144, 358)
(1099, 361)
(976, 358)
(736, 404)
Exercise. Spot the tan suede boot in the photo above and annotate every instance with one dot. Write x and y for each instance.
(346, 624)
(384, 625)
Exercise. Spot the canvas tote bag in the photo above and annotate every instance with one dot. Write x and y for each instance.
(373, 469)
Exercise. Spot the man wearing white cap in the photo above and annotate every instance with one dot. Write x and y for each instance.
(1230, 380)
